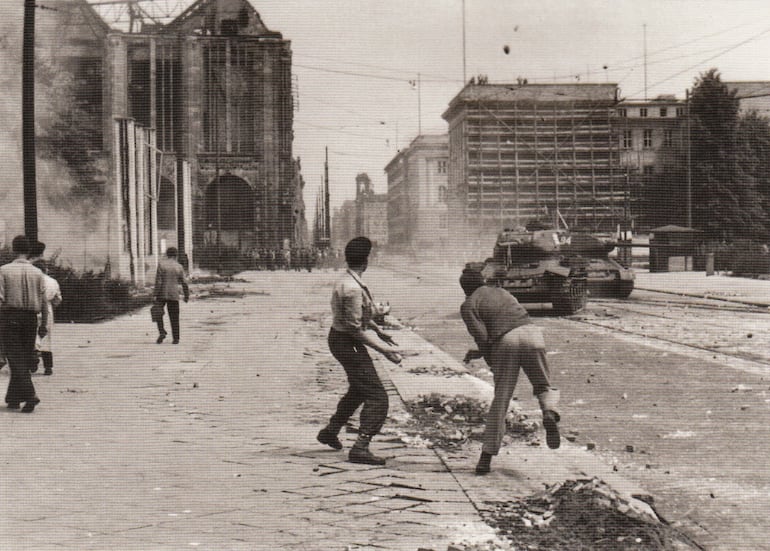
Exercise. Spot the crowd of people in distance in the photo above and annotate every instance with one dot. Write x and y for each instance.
(295, 258)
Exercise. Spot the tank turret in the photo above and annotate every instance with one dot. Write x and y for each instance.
(534, 265)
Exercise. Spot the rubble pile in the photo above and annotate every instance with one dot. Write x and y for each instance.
(584, 514)
(450, 421)
(433, 369)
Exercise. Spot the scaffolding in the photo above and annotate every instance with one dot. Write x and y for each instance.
(535, 152)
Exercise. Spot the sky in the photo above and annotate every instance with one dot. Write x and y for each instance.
(370, 74)
(354, 60)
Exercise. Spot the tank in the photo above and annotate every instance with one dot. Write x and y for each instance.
(532, 265)
(605, 276)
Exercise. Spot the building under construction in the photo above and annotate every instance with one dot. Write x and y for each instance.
(197, 118)
(533, 151)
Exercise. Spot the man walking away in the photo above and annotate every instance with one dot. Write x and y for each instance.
(22, 297)
(352, 308)
(508, 341)
(168, 279)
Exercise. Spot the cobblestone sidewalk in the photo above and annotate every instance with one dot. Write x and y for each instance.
(211, 444)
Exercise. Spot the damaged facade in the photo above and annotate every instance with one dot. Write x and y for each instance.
(196, 128)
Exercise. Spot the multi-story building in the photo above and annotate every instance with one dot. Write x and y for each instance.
(645, 128)
(752, 95)
(344, 224)
(195, 133)
(532, 151)
(371, 212)
(417, 193)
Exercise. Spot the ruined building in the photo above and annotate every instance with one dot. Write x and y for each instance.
(196, 130)
(519, 152)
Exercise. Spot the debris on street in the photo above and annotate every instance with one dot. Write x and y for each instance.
(433, 369)
(583, 514)
(448, 422)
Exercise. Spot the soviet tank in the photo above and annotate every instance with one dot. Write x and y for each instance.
(531, 265)
(605, 276)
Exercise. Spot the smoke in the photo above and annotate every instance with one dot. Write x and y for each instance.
(12, 214)
(74, 225)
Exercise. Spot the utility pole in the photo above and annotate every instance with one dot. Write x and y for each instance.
(217, 183)
(644, 27)
(689, 162)
(464, 74)
(419, 106)
(28, 121)
(327, 216)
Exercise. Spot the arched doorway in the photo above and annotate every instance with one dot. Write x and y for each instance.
(230, 212)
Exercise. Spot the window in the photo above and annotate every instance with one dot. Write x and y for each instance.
(628, 139)
(623, 112)
(648, 170)
(647, 141)
(441, 167)
(680, 111)
(664, 112)
(668, 137)
(642, 111)
(442, 194)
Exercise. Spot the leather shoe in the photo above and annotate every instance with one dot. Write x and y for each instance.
(325, 436)
(48, 372)
(484, 464)
(364, 456)
(550, 420)
(13, 405)
(160, 338)
(29, 407)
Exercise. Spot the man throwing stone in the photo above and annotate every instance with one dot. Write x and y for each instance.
(352, 332)
(508, 341)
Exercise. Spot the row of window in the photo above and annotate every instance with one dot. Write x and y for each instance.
(644, 112)
(628, 138)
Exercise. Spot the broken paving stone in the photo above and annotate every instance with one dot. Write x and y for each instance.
(590, 446)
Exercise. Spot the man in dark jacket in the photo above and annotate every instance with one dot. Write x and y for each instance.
(168, 280)
(508, 341)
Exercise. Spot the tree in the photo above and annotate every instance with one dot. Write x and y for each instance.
(728, 199)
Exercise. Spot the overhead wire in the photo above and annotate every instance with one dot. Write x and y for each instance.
(721, 53)
(338, 130)
(381, 67)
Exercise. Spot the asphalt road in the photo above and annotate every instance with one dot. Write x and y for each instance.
(672, 390)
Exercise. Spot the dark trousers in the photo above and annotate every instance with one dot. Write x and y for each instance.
(173, 314)
(18, 329)
(47, 358)
(365, 386)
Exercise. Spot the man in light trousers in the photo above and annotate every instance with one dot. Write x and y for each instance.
(508, 341)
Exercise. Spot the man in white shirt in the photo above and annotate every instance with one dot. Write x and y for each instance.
(22, 297)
